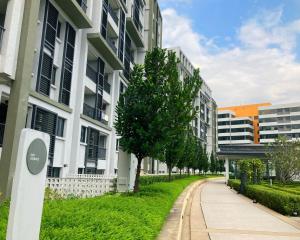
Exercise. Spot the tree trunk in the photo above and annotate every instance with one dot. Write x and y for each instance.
(180, 171)
(170, 170)
(137, 176)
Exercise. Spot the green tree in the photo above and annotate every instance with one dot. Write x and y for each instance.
(179, 109)
(200, 156)
(212, 162)
(205, 161)
(139, 110)
(285, 156)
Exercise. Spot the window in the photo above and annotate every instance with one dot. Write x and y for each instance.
(83, 134)
(58, 29)
(60, 127)
(53, 77)
(117, 144)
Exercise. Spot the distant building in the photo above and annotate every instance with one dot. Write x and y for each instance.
(279, 120)
(239, 124)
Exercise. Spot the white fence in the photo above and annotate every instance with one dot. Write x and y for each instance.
(82, 185)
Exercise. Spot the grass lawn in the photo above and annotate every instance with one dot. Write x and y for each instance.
(119, 216)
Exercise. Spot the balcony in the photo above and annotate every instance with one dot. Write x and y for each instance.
(106, 85)
(82, 4)
(2, 30)
(102, 46)
(76, 11)
(135, 29)
(112, 45)
(92, 113)
(91, 73)
(101, 154)
(113, 14)
(2, 127)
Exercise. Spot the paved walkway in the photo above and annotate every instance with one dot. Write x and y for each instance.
(229, 216)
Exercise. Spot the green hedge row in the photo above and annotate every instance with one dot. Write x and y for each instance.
(280, 201)
(146, 180)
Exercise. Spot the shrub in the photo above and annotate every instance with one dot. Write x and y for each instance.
(283, 202)
(146, 180)
(119, 216)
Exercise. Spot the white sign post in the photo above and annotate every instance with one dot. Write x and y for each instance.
(28, 188)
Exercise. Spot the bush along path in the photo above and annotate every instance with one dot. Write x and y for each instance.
(118, 216)
(280, 199)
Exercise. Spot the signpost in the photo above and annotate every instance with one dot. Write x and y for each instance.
(28, 186)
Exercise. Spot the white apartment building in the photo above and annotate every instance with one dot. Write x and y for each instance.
(279, 120)
(205, 123)
(234, 130)
(84, 52)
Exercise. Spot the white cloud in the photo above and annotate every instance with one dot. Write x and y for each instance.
(262, 68)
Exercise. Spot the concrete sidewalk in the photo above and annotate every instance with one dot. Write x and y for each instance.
(229, 216)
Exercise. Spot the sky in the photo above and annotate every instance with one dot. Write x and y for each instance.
(248, 51)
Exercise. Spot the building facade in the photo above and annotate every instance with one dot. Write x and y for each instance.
(239, 124)
(84, 52)
(205, 123)
(279, 120)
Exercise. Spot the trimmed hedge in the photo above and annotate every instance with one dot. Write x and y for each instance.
(283, 202)
(146, 180)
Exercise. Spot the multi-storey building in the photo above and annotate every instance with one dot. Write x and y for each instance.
(279, 120)
(234, 130)
(239, 124)
(205, 123)
(84, 52)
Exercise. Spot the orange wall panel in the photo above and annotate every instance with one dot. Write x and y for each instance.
(250, 110)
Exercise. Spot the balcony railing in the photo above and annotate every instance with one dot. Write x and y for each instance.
(90, 111)
(91, 73)
(112, 45)
(101, 153)
(106, 85)
(2, 30)
(82, 4)
(113, 14)
(2, 127)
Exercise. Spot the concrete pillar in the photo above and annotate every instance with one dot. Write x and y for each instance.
(18, 100)
(226, 170)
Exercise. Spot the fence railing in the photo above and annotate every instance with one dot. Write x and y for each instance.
(2, 127)
(2, 30)
(82, 185)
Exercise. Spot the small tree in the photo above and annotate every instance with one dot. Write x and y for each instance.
(212, 162)
(139, 110)
(205, 161)
(285, 156)
(178, 107)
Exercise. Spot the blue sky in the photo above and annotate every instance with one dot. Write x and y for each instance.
(244, 34)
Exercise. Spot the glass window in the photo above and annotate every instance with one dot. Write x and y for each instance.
(60, 127)
(53, 77)
(83, 134)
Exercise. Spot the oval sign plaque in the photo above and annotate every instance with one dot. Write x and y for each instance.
(36, 156)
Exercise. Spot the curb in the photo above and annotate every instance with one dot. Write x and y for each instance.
(185, 202)
(173, 226)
